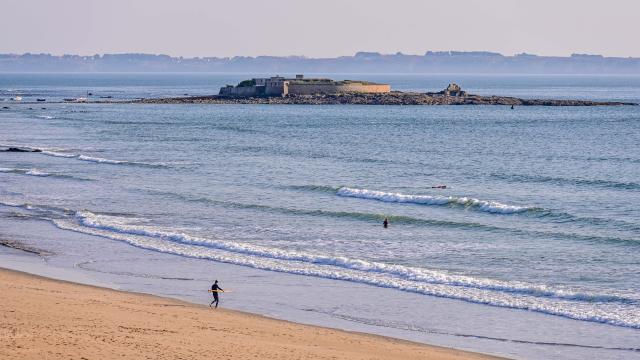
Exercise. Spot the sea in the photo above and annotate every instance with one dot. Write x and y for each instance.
(513, 232)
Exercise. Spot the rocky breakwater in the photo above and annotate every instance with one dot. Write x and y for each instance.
(393, 98)
(452, 95)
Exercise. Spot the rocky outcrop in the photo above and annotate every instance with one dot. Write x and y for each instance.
(16, 149)
(392, 98)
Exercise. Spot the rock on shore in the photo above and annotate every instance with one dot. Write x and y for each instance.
(392, 98)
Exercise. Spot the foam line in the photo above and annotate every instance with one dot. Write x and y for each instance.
(481, 205)
(39, 173)
(64, 153)
(363, 216)
(602, 308)
(101, 160)
(614, 309)
(32, 172)
(122, 225)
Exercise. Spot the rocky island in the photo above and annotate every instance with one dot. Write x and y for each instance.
(320, 91)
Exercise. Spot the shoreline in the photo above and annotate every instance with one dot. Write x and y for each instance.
(133, 324)
(318, 302)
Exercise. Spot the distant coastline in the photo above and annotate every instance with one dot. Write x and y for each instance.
(436, 62)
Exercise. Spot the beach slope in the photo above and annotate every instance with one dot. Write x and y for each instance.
(49, 319)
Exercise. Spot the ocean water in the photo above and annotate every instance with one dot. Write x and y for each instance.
(539, 214)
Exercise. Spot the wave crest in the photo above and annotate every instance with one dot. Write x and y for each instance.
(123, 226)
(102, 160)
(615, 309)
(511, 294)
(39, 173)
(467, 202)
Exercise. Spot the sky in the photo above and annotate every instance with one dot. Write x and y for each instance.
(315, 28)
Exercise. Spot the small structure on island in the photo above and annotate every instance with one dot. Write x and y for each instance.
(281, 86)
(453, 90)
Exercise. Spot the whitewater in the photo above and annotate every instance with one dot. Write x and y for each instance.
(482, 205)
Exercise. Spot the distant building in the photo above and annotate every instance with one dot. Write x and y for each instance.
(280, 86)
(453, 90)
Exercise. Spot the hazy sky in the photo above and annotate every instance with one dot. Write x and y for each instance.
(322, 28)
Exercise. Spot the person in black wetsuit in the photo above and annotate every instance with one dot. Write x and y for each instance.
(214, 290)
(385, 223)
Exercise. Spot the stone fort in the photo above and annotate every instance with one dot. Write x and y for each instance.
(280, 86)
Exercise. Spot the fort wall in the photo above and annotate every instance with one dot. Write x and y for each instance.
(280, 86)
(276, 89)
(312, 89)
(244, 91)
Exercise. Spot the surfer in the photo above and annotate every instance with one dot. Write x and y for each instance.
(385, 223)
(214, 290)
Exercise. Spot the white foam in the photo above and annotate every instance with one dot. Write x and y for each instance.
(482, 205)
(557, 301)
(100, 160)
(58, 154)
(40, 173)
(35, 172)
(123, 225)
(66, 153)
(32, 172)
(605, 308)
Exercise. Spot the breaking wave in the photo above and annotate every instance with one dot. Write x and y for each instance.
(559, 216)
(67, 153)
(611, 308)
(32, 172)
(102, 160)
(396, 219)
(467, 202)
(39, 173)
(614, 309)
(123, 226)
(58, 154)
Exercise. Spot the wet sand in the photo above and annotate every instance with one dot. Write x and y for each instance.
(51, 319)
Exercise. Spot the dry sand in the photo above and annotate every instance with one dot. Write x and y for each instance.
(49, 319)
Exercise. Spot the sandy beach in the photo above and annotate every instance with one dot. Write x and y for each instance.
(50, 319)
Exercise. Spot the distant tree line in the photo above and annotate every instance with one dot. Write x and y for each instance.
(361, 62)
